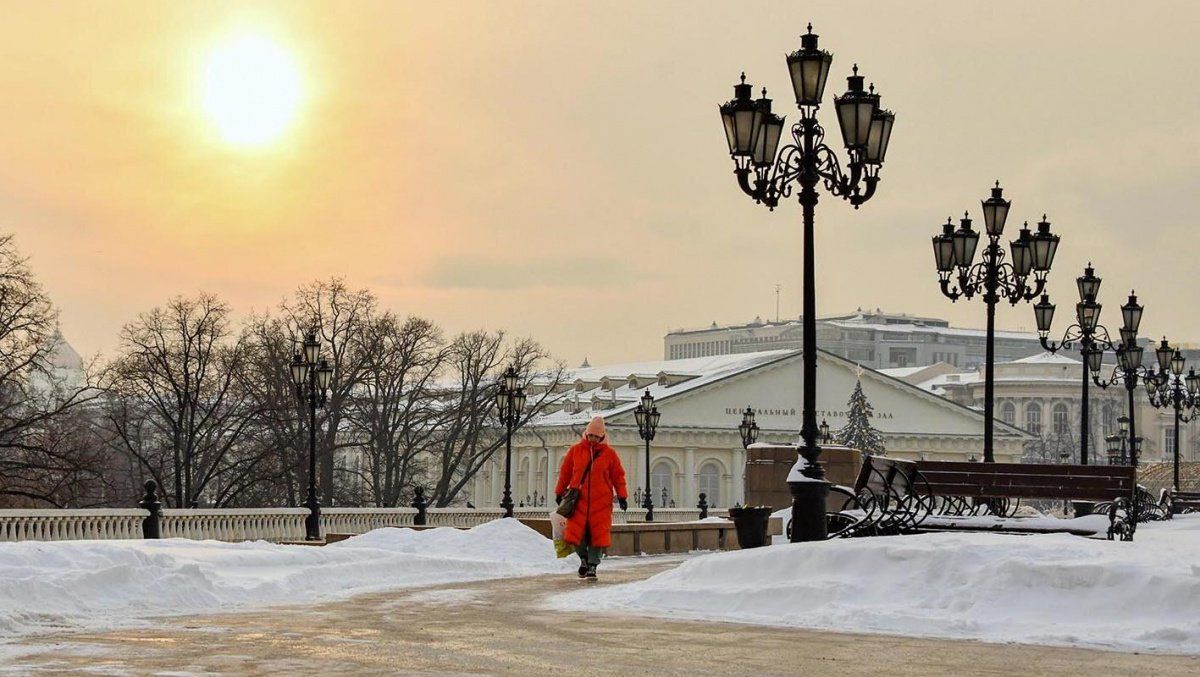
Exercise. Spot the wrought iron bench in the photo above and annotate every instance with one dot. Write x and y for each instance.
(955, 487)
(1181, 502)
(886, 499)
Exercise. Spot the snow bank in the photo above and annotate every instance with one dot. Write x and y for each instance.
(97, 584)
(1041, 589)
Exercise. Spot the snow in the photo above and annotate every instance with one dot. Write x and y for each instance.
(69, 585)
(1053, 589)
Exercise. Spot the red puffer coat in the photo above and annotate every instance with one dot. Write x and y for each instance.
(594, 509)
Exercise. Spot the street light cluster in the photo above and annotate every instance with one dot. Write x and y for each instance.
(753, 132)
(510, 405)
(312, 376)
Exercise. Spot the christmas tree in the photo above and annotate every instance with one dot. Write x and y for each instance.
(858, 433)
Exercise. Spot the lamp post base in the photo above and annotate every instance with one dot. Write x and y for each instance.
(312, 523)
(649, 506)
(506, 504)
(808, 510)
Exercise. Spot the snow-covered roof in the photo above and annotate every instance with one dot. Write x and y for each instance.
(1046, 358)
(676, 376)
(925, 329)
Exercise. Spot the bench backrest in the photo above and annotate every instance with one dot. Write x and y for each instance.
(1028, 480)
(882, 475)
(1186, 495)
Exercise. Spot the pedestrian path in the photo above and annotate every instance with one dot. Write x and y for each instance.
(500, 627)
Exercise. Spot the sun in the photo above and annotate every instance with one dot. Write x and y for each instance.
(252, 90)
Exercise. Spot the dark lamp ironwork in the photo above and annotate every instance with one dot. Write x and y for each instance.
(1088, 314)
(1094, 359)
(1130, 356)
(1151, 383)
(324, 375)
(740, 117)
(1193, 381)
(748, 428)
(1164, 352)
(943, 248)
(1088, 283)
(879, 136)
(767, 141)
(1044, 245)
(1043, 314)
(966, 241)
(1022, 254)
(995, 211)
(825, 430)
(647, 400)
(511, 379)
(1131, 314)
(312, 348)
(1177, 363)
(855, 109)
(519, 401)
(809, 69)
(299, 369)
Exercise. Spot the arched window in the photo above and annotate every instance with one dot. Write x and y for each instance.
(1110, 421)
(660, 479)
(1033, 418)
(1060, 419)
(1008, 413)
(710, 483)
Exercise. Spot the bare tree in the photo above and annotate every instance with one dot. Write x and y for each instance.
(395, 412)
(176, 403)
(469, 433)
(43, 455)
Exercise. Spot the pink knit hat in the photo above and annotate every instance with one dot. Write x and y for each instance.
(595, 427)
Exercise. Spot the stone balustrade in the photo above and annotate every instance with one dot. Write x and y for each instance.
(63, 525)
(271, 524)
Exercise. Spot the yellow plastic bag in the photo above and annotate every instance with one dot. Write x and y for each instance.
(558, 527)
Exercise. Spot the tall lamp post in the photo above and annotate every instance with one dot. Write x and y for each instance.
(647, 415)
(993, 277)
(311, 374)
(1119, 448)
(1092, 337)
(753, 133)
(510, 403)
(1129, 369)
(1167, 389)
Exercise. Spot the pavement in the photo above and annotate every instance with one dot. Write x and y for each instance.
(500, 628)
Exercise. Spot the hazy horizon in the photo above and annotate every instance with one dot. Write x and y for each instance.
(560, 171)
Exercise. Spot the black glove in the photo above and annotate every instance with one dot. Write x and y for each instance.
(624, 503)
(557, 499)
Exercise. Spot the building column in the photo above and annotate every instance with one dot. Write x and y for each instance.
(497, 481)
(551, 474)
(689, 497)
(738, 495)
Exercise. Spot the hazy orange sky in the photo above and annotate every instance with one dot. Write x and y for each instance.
(559, 170)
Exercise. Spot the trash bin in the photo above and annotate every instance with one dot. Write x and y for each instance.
(751, 525)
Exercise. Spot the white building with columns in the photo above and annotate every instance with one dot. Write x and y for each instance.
(698, 448)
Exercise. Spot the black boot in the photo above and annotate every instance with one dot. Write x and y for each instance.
(590, 574)
(583, 569)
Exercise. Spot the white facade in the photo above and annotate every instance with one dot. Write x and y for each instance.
(698, 448)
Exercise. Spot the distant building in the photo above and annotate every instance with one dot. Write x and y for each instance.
(873, 339)
(698, 447)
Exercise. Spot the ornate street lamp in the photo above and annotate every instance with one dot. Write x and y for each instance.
(312, 376)
(647, 415)
(510, 404)
(1169, 388)
(753, 133)
(993, 277)
(1129, 368)
(1092, 337)
(748, 428)
(826, 437)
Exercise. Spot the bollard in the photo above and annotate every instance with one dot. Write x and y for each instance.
(420, 504)
(151, 523)
(703, 505)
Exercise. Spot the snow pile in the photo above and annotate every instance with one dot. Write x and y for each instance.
(96, 584)
(1040, 589)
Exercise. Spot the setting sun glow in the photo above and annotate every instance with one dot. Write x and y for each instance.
(252, 91)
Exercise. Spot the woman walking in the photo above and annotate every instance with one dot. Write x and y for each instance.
(592, 467)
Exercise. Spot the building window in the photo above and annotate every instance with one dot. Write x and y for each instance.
(1008, 413)
(710, 483)
(1060, 420)
(660, 483)
(1033, 418)
(1109, 420)
(1169, 443)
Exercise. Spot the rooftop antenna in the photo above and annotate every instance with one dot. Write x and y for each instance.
(777, 288)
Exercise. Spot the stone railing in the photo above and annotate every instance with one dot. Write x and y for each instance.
(234, 524)
(271, 524)
(64, 525)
